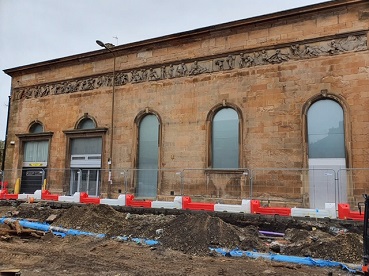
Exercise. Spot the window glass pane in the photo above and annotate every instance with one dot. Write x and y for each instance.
(86, 145)
(326, 134)
(36, 151)
(148, 156)
(36, 128)
(225, 144)
(86, 124)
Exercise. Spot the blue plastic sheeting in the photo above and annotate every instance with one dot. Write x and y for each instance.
(47, 227)
(285, 258)
(137, 240)
(62, 232)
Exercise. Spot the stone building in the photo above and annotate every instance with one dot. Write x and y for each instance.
(204, 111)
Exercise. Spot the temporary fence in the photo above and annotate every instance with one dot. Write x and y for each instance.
(356, 180)
(309, 188)
(302, 187)
(216, 184)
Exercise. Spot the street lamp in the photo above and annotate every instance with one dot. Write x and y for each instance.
(108, 47)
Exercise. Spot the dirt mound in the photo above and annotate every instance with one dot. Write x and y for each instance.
(345, 247)
(106, 220)
(194, 234)
(33, 212)
(96, 219)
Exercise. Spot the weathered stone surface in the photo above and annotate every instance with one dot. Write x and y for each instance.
(269, 69)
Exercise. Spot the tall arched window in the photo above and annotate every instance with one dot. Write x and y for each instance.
(148, 156)
(225, 139)
(326, 134)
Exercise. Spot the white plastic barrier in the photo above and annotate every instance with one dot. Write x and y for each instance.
(35, 195)
(176, 204)
(245, 207)
(74, 198)
(121, 201)
(328, 212)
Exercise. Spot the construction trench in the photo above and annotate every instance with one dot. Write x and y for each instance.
(316, 246)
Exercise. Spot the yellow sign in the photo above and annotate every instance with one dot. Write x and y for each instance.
(35, 164)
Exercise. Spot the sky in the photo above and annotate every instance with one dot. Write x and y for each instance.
(32, 31)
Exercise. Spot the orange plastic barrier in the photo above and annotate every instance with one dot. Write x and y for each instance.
(4, 185)
(344, 212)
(257, 209)
(46, 195)
(4, 195)
(84, 198)
(137, 203)
(198, 206)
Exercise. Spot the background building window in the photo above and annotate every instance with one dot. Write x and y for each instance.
(225, 139)
(86, 123)
(36, 128)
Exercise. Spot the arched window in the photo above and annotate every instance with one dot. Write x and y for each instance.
(36, 128)
(86, 123)
(225, 139)
(148, 156)
(326, 134)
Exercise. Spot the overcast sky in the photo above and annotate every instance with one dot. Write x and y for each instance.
(37, 30)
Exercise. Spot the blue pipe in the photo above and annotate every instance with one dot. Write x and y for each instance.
(285, 258)
(62, 232)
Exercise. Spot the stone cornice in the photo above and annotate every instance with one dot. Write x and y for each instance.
(277, 54)
(40, 136)
(86, 132)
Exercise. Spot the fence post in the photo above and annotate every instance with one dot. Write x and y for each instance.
(1, 180)
(337, 186)
(181, 188)
(79, 180)
(42, 179)
(251, 182)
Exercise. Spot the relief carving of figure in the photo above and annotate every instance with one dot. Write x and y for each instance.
(18, 94)
(121, 78)
(171, 71)
(143, 74)
(163, 73)
(242, 62)
(197, 69)
(246, 61)
(219, 64)
(295, 50)
(230, 61)
(354, 43)
(261, 58)
(153, 75)
(181, 70)
(278, 57)
(334, 48)
(310, 51)
(135, 76)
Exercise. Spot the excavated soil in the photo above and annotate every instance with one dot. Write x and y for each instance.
(184, 243)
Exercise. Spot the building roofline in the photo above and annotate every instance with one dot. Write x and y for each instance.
(187, 34)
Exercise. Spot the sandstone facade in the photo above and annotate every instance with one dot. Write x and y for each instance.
(269, 69)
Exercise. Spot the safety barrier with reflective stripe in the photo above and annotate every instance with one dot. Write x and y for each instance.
(186, 203)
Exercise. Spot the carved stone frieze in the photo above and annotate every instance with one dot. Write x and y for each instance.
(232, 61)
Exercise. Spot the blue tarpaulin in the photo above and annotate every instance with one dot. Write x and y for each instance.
(285, 258)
